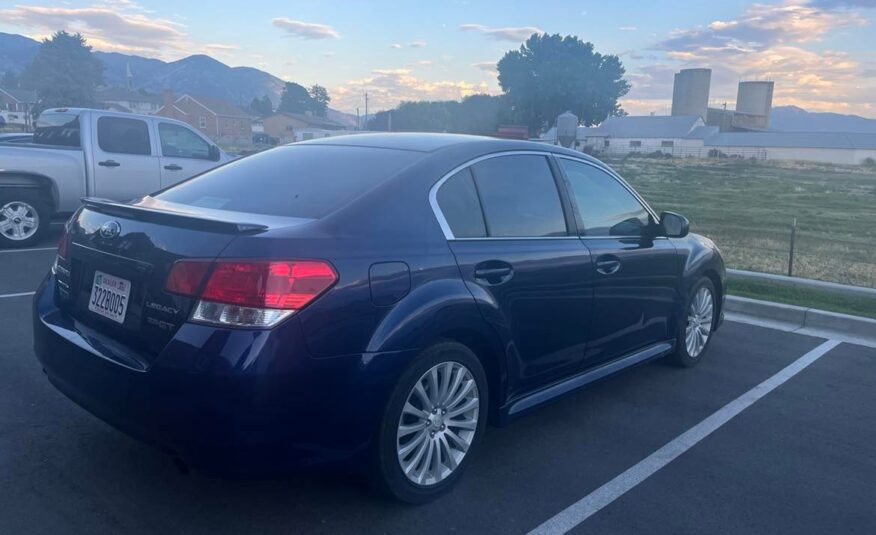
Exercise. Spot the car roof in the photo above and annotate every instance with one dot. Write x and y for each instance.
(429, 142)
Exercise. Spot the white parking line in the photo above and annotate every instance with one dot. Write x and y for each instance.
(4, 251)
(589, 505)
(23, 294)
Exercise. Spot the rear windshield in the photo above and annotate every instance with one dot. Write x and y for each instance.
(59, 129)
(308, 181)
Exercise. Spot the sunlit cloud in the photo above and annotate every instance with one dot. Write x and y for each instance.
(387, 88)
(514, 34)
(305, 30)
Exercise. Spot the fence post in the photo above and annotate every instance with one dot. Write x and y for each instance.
(791, 251)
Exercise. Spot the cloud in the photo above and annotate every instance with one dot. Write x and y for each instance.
(387, 88)
(305, 30)
(489, 66)
(396, 45)
(515, 34)
(628, 28)
(833, 4)
(425, 62)
(419, 43)
(117, 27)
(766, 42)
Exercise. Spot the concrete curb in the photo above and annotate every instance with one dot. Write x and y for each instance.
(804, 320)
(797, 282)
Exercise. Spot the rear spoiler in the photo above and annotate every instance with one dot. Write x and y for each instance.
(169, 217)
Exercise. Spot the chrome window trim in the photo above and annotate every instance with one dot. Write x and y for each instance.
(448, 233)
(442, 221)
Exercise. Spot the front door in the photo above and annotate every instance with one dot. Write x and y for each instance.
(635, 275)
(124, 165)
(530, 275)
(184, 153)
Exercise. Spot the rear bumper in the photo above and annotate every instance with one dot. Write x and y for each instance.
(226, 401)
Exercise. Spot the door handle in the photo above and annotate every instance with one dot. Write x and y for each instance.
(109, 163)
(493, 273)
(608, 265)
(173, 167)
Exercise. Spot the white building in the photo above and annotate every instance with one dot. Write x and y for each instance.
(686, 136)
(128, 101)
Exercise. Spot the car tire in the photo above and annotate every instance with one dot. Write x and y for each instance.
(17, 207)
(407, 419)
(696, 330)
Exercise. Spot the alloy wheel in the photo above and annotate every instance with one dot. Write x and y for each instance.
(699, 322)
(438, 423)
(18, 220)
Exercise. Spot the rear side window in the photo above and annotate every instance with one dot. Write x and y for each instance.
(123, 136)
(58, 129)
(605, 207)
(519, 197)
(308, 181)
(459, 203)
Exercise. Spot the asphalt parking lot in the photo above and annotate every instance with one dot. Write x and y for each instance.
(800, 458)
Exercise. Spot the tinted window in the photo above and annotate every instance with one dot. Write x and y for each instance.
(459, 203)
(519, 197)
(58, 129)
(307, 181)
(123, 136)
(605, 206)
(180, 142)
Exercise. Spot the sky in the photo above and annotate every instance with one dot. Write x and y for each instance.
(820, 53)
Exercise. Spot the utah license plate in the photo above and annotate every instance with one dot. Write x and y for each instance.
(109, 296)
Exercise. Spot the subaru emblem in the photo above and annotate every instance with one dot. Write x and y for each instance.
(110, 229)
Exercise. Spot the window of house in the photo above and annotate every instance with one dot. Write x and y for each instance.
(123, 136)
(458, 200)
(180, 142)
(606, 143)
(667, 144)
(604, 206)
(202, 122)
(635, 143)
(519, 197)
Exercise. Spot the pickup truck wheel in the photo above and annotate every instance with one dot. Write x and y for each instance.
(24, 218)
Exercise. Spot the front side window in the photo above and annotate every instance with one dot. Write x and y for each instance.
(519, 197)
(123, 136)
(605, 207)
(180, 142)
(458, 200)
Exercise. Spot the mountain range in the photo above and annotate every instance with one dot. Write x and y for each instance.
(202, 75)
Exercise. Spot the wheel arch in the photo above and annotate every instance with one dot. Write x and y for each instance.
(46, 187)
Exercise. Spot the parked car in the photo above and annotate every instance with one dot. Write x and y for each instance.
(80, 152)
(371, 300)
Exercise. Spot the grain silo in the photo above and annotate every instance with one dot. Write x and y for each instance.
(754, 102)
(690, 92)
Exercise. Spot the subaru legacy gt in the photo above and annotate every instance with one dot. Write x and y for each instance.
(368, 300)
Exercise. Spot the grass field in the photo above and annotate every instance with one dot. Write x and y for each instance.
(748, 207)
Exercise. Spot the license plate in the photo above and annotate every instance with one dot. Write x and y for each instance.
(109, 296)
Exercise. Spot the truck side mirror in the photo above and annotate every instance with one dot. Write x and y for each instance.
(215, 153)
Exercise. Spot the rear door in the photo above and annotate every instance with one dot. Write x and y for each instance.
(184, 153)
(635, 276)
(125, 165)
(532, 277)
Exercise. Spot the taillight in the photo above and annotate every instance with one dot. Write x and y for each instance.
(250, 292)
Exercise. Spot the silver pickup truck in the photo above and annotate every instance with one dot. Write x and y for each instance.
(78, 153)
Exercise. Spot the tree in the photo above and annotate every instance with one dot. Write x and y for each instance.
(475, 114)
(64, 72)
(551, 74)
(261, 107)
(320, 99)
(295, 99)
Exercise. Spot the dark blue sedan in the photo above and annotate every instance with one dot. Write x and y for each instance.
(368, 300)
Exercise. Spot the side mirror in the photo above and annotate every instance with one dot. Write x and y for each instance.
(674, 225)
(215, 153)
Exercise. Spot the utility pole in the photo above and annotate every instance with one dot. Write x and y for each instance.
(389, 121)
(366, 109)
(358, 125)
